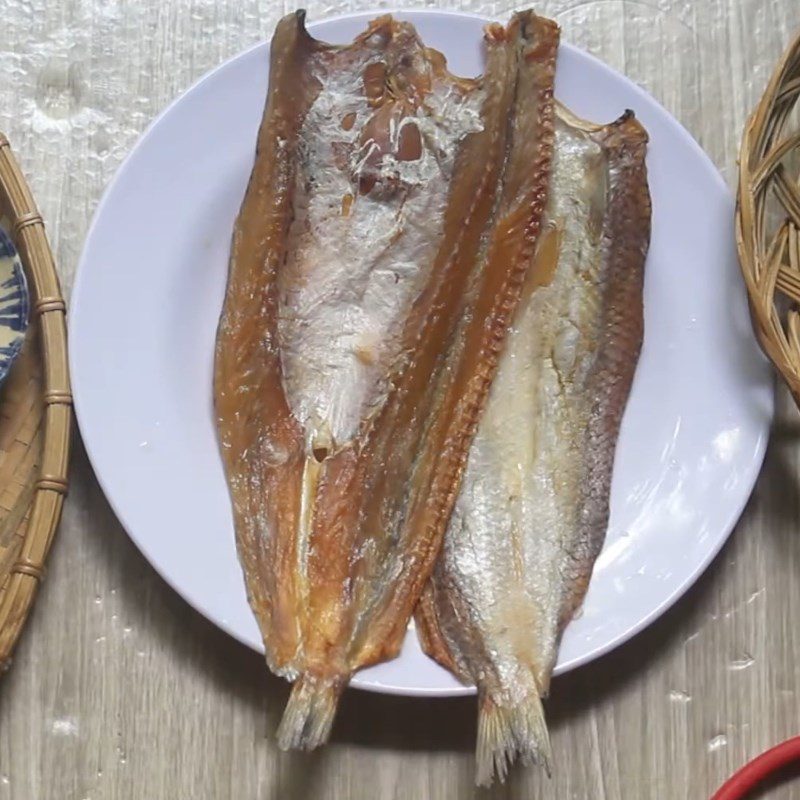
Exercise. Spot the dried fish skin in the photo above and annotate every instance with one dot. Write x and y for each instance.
(355, 258)
(278, 417)
(280, 411)
(261, 443)
(532, 511)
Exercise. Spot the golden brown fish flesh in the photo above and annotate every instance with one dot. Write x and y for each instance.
(382, 245)
(532, 511)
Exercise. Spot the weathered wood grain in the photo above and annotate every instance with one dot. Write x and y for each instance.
(122, 692)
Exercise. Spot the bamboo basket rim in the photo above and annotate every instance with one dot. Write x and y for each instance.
(769, 252)
(50, 479)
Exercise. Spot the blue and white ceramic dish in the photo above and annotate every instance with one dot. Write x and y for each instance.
(14, 303)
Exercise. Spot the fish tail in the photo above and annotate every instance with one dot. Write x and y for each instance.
(309, 713)
(506, 731)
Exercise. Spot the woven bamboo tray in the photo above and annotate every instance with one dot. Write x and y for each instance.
(768, 218)
(35, 416)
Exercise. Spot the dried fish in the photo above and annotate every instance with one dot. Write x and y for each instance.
(390, 220)
(532, 511)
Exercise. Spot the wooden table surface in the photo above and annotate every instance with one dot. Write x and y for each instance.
(119, 690)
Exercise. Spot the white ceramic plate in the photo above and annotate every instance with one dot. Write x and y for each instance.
(149, 291)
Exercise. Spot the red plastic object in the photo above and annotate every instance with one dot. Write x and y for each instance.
(750, 775)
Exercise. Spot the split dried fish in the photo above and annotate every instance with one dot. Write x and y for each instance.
(383, 242)
(533, 507)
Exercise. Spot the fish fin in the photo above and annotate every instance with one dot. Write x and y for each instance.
(506, 731)
(309, 713)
